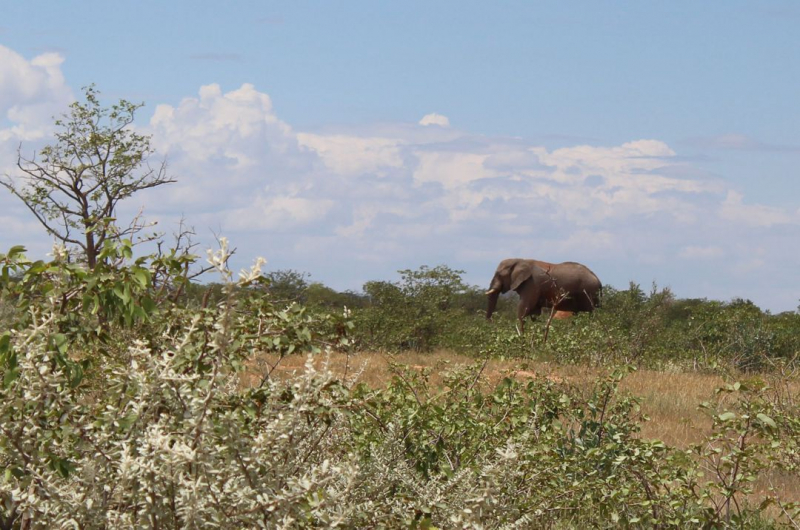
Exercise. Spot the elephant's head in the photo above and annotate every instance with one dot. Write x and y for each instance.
(509, 276)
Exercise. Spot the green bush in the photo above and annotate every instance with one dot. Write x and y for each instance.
(433, 308)
(656, 330)
(416, 313)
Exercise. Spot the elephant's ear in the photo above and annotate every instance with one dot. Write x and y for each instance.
(521, 272)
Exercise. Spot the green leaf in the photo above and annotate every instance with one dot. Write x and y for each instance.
(766, 420)
(5, 343)
(14, 472)
(96, 304)
(9, 377)
(766, 503)
(63, 466)
(75, 375)
(126, 421)
(148, 305)
(142, 276)
(727, 416)
(139, 312)
(15, 250)
(122, 294)
(61, 342)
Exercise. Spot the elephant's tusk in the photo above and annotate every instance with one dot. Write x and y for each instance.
(491, 291)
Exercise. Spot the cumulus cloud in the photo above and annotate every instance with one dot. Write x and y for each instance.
(222, 126)
(227, 149)
(450, 169)
(354, 155)
(31, 92)
(435, 119)
(281, 212)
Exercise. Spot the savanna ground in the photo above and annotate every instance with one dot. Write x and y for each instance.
(670, 400)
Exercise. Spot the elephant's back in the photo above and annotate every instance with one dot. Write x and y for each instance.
(577, 269)
(580, 279)
(572, 275)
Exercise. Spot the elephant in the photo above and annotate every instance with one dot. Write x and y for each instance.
(573, 287)
(568, 286)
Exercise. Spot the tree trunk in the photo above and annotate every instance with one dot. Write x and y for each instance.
(91, 251)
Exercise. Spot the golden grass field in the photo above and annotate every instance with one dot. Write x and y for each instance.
(670, 400)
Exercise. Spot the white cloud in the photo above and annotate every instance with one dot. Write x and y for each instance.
(222, 126)
(450, 169)
(732, 141)
(582, 241)
(435, 119)
(741, 142)
(747, 267)
(354, 155)
(363, 217)
(733, 209)
(280, 212)
(31, 92)
(227, 149)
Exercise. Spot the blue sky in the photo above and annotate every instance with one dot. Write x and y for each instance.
(651, 141)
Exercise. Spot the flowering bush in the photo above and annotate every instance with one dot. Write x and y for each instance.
(164, 435)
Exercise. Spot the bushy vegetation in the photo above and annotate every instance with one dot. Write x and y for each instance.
(120, 408)
(432, 308)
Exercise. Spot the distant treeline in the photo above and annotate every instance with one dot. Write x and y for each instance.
(432, 308)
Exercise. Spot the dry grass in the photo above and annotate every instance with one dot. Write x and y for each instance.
(670, 400)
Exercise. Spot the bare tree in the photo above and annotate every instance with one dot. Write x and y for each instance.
(73, 186)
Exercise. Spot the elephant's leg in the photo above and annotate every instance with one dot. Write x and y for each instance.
(522, 312)
(520, 325)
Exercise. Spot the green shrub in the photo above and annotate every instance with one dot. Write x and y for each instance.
(415, 313)
(432, 308)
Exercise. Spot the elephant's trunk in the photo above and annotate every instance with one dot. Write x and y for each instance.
(495, 289)
(493, 294)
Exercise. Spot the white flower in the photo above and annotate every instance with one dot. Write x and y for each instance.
(59, 252)
(219, 259)
(247, 276)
